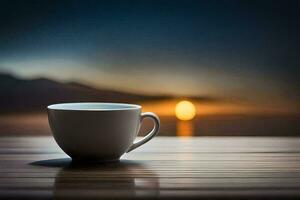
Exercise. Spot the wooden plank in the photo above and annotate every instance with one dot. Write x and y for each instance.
(200, 167)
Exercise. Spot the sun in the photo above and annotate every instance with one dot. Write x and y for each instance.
(185, 110)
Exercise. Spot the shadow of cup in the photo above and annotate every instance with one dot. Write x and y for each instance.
(124, 179)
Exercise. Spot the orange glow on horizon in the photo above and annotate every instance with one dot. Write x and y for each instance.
(166, 108)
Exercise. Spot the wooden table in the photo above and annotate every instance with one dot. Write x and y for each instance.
(167, 167)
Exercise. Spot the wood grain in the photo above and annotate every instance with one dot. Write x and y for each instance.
(167, 167)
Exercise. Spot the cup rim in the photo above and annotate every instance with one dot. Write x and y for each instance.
(75, 106)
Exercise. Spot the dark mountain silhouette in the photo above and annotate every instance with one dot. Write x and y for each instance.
(32, 95)
(35, 94)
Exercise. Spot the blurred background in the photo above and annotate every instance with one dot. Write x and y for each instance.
(207, 68)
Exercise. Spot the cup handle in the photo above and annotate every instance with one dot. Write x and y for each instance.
(151, 134)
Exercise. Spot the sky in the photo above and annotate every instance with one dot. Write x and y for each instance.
(247, 50)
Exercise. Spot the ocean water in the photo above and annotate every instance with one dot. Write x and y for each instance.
(211, 125)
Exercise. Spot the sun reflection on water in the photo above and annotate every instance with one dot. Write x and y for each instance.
(184, 128)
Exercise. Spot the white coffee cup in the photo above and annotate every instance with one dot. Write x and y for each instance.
(98, 131)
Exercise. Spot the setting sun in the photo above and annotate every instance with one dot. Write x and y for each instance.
(185, 110)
